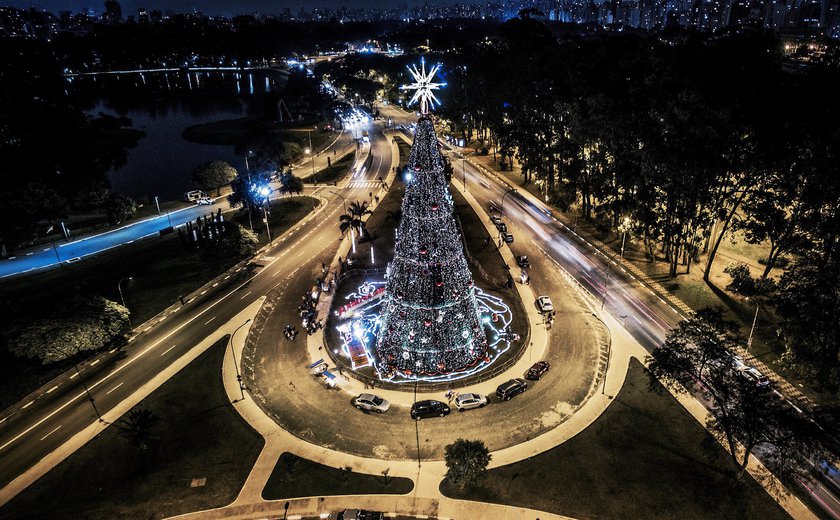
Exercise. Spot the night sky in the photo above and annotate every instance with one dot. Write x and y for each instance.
(208, 7)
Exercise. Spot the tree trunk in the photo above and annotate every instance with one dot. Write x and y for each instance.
(772, 256)
(723, 229)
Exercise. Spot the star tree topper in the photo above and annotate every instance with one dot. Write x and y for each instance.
(423, 86)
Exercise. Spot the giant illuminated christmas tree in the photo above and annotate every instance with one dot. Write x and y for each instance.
(430, 320)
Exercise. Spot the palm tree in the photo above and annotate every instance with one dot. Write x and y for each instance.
(137, 426)
(353, 218)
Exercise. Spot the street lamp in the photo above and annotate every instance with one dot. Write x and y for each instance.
(624, 228)
(266, 191)
(752, 329)
(312, 159)
(343, 200)
(607, 282)
(233, 354)
(122, 299)
(464, 170)
(502, 205)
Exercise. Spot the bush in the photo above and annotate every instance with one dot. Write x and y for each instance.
(119, 208)
(87, 324)
(743, 282)
(781, 261)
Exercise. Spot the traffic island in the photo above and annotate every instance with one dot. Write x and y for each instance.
(295, 477)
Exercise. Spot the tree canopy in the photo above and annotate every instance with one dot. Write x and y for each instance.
(213, 175)
(90, 323)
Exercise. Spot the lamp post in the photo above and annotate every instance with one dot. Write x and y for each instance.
(464, 171)
(233, 354)
(607, 282)
(508, 192)
(343, 200)
(122, 299)
(119, 288)
(625, 226)
(752, 329)
(312, 159)
(87, 391)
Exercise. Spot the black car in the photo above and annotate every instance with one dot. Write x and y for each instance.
(523, 262)
(429, 408)
(513, 387)
(537, 370)
(502, 227)
(507, 237)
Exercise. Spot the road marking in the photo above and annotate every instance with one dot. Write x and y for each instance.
(139, 355)
(30, 253)
(167, 350)
(111, 390)
(74, 375)
(147, 329)
(53, 389)
(52, 432)
(226, 277)
(245, 295)
(95, 362)
(208, 321)
(216, 284)
(204, 292)
(27, 405)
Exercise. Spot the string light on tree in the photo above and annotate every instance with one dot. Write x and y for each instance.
(431, 322)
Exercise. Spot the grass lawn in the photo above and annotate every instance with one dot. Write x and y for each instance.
(645, 457)
(404, 149)
(200, 437)
(283, 214)
(295, 477)
(337, 171)
(162, 269)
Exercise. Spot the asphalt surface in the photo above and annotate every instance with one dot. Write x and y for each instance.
(44, 424)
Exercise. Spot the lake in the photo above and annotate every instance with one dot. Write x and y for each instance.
(163, 104)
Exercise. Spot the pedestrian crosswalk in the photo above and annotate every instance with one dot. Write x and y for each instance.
(364, 184)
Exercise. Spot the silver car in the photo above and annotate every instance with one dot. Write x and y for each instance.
(470, 401)
(371, 403)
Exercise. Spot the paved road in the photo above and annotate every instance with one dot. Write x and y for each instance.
(40, 427)
(52, 255)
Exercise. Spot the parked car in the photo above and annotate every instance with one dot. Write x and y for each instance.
(507, 237)
(469, 401)
(356, 514)
(371, 403)
(753, 375)
(204, 201)
(496, 220)
(429, 408)
(523, 262)
(502, 228)
(512, 388)
(544, 304)
(537, 370)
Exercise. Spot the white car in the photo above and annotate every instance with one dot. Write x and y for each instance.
(752, 375)
(371, 403)
(544, 304)
(204, 201)
(470, 401)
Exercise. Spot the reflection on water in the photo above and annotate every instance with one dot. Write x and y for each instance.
(163, 105)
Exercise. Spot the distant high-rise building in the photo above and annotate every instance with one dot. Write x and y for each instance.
(113, 12)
